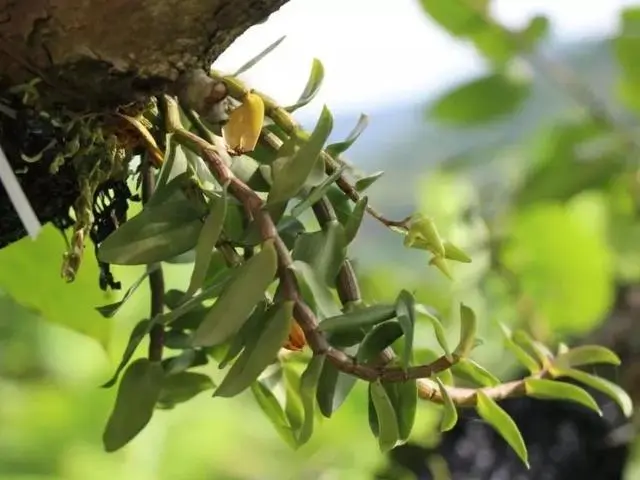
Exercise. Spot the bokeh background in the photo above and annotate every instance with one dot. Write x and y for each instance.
(390, 61)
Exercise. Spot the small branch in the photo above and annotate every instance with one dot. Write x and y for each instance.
(156, 276)
(304, 316)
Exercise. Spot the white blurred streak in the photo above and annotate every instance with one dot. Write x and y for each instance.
(19, 200)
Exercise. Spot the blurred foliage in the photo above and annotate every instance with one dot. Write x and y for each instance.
(549, 244)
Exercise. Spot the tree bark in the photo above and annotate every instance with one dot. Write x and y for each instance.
(95, 55)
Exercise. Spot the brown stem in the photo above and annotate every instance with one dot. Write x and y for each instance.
(156, 276)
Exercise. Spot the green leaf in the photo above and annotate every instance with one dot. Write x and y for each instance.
(551, 390)
(256, 356)
(239, 298)
(494, 415)
(247, 333)
(157, 233)
(377, 339)
(259, 56)
(406, 314)
(586, 355)
(609, 388)
(365, 182)
(39, 289)
(315, 291)
(207, 240)
(534, 32)
(359, 318)
(336, 149)
(294, 406)
(482, 100)
(334, 386)
(352, 225)
(522, 338)
(385, 416)
(311, 88)
(138, 393)
(183, 386)
(441, 337)
(467, 331)
(187, 359)
(454, 253)
(521, 354)
(308, 389)
(110, 310)
(471, 371)
(290, 174)
(424, 233)
(404, 398)
(449, 413)
(324, 251)
(274, 411)
(136, 336)
(317, 193)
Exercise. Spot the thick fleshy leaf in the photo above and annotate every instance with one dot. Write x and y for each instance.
(406, 314)
(187, 359)
(315, 290)
(528, 343)
(377, 339)
(207, 240)
(471, 371)
(137, 334)
(308, 389)
(552, 390)
(454, 253)
(467, 331)
(386, 422)
(449, 412)
(500, 420)
(259, 56)
(365, 182)
(441, 336)
(359, 318)
(336, 149)
(586, 355)
(521, 354)
(404, 398)
(183, 386)
(334, 386)
(311, 88)
(609, 388)
(317, 193)
(290, 174)
(247, 333)
(482, 100)
(157, 233)
(258, 354)
(239, 298)
(324, 251)
(138, 393)
(352, 225)
(423, 231)
(110, 310)
(274, 411)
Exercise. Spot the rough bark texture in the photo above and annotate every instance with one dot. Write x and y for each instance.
(98, 54)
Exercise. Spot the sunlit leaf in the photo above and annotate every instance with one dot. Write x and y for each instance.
(586, 355)
(521, 354)
(471, 371)
(311, 88)
(552, 390)
(609, 388)
(454, 253)
(335, 149)
(365, 182)
(449, 413)
(467, 331)
(308, 388)
(441, 336)
(522, 338)
(240, 296)
(258, 354)
(274, 411)
(259, 56)
(459, 18)
(138, 393)
(535, 31)
(290, 174)
(423, 231)
(500, 420)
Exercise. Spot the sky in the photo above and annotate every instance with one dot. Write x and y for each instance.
(376, 52)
